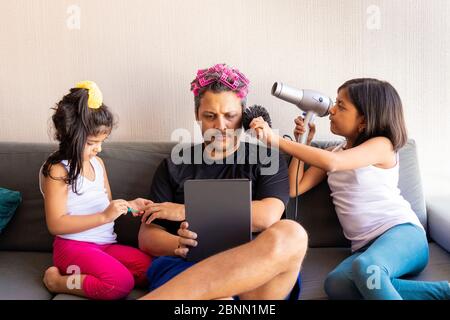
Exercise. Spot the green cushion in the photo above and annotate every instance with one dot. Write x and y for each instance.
(9, 201)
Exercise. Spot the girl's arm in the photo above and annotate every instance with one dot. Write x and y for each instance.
(375, 151)
(58, 222)
(313, 176)
(306, 180)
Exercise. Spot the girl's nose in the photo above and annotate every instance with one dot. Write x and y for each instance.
(98, 148)
(333, 109)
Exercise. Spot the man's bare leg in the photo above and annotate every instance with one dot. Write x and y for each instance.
(265, 268)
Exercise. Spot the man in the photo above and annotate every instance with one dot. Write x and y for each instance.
(265, 268)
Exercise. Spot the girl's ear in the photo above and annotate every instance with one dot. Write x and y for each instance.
(362, 125)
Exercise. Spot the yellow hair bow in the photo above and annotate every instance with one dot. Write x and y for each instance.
(95, 99)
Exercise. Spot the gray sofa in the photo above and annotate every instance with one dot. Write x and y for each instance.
(26, 245)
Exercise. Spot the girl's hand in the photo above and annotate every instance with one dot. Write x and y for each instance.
(186, 239)
(166, 210)
(115, 209)
(139, 204)
(263, 131)
(300, 129)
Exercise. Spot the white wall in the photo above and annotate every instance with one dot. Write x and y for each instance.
(144, 54)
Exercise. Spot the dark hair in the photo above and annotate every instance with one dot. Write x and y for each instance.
(215, 87)
(381, 106)
(73, 122)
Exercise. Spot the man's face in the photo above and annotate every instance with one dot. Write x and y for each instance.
(220, 115)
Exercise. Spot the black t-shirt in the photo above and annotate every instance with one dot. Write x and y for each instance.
(266, 168)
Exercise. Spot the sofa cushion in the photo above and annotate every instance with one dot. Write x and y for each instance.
(316, 210)
(65, 296)
(317, 264)
(130, 168)
(27, 230)
(410, 181)
(135, 294)
(320, 261)
(9, 201)
(20, 163)
(438, 209)
(22, 274)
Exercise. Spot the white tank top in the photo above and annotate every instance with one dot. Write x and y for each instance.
(368, 202)
(92, 198)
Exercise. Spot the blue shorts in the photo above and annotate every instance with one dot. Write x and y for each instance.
(165, 268)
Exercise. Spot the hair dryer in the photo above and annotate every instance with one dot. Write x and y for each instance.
(310, 101)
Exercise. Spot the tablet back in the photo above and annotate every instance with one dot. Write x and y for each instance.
(219, 211)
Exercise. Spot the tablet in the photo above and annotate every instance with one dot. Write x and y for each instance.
(219, 211)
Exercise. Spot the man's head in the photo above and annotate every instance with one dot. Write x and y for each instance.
(220, 96)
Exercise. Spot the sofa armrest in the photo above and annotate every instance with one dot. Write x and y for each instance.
(438, 209)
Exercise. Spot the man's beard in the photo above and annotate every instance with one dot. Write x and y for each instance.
(222, 148)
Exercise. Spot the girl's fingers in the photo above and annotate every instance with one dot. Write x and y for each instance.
(299, 121)
(257, 123)
(254, 122)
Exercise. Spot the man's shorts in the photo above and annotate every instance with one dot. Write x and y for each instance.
(165, 268)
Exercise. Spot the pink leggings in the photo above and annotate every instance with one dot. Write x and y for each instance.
(111, 270)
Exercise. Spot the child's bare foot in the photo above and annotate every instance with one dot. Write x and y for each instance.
(52, 279)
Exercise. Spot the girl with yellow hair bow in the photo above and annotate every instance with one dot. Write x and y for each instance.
(79, 207)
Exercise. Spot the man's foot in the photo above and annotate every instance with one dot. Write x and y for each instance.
(52, 279)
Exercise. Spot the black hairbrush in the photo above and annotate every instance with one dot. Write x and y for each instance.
(253, 112)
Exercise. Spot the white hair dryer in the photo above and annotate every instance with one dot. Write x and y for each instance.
(309, 101)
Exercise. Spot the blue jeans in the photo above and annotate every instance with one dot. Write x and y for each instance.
(374, 271)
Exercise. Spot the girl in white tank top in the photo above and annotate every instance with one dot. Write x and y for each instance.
(79, 208)
(363, 176)
(368, 201)
(92, 197)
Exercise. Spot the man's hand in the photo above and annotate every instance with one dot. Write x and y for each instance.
(186, 239)
(139, 204)
(166, 210)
